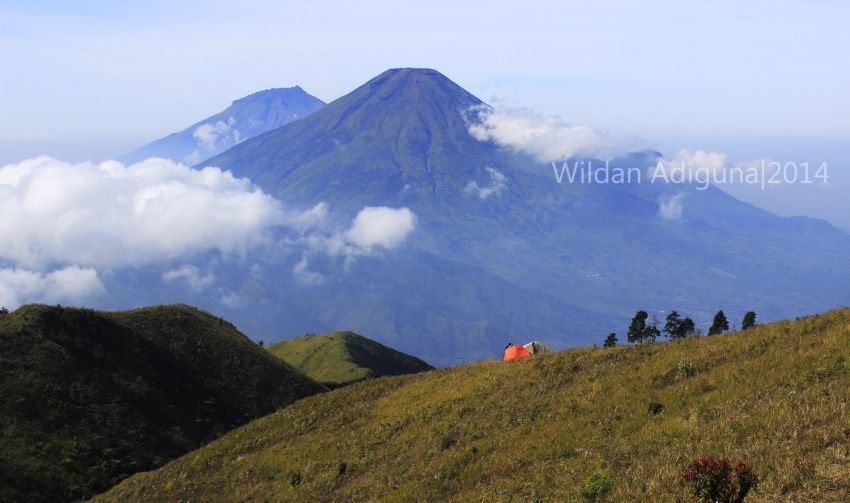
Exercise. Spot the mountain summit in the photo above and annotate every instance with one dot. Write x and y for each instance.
(404, 128)
(245, 118)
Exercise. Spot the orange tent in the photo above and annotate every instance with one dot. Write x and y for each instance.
(516, 352)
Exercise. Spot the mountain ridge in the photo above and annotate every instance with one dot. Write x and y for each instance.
(245, 118)
(344, 357)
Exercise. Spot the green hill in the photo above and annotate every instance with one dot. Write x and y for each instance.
(339, 358)
(88, 398)
(618, 424)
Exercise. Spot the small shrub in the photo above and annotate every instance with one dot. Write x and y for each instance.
(714, 480)
(595, 487)
(567, 454)
(654, 408)
(295, 479)
(448, 441)
(685, 369)
(343, 467)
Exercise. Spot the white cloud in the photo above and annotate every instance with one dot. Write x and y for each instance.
(217, 135)
(78, 219)
(192, 275)
(314, 217)
(232, 300)
(380, 226)
(547, 138)
(302, 273)
(373, 227)
(70, 284)
(498, 184)
(687, 166)
(109, 215)
(670, 207)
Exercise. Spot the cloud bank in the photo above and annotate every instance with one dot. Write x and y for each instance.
(62, 224)
(109, 215)
(546, 138)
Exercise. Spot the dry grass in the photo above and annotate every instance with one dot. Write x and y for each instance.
(535, 430)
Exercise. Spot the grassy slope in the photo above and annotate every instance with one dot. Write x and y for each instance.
(88, 397)
(775, 397)
(338, 358)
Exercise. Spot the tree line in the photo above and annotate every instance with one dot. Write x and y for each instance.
(642, 329)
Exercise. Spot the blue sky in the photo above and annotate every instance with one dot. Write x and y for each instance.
(93, 79)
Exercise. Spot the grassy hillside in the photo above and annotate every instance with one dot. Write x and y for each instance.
(87, 397)
(339, 358)
(551, 428)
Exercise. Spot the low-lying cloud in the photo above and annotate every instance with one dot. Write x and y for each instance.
(63, 224)
(68, 284)
(687, 166)
(546, 138)
(110, 215)
(374, 227)
(498, 184)
(217, 135)
(212, 138)
(671, 207)
(380, 226)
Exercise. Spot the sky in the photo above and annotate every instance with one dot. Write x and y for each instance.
(90, 80)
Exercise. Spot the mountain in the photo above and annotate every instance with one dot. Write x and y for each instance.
(569, 261)
(340, 358)
(588, 424)
(245, 118)
(404, 127)
(88, 398)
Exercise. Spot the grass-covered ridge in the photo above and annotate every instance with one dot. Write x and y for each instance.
(338, 358)
(617, 423)
(88, 398)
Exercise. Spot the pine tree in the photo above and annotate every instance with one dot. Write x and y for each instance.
(652, 331)
(673, 327)
(610, 341)
(687, 328)
(749, 320)
(719, 325)
(637, 328)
